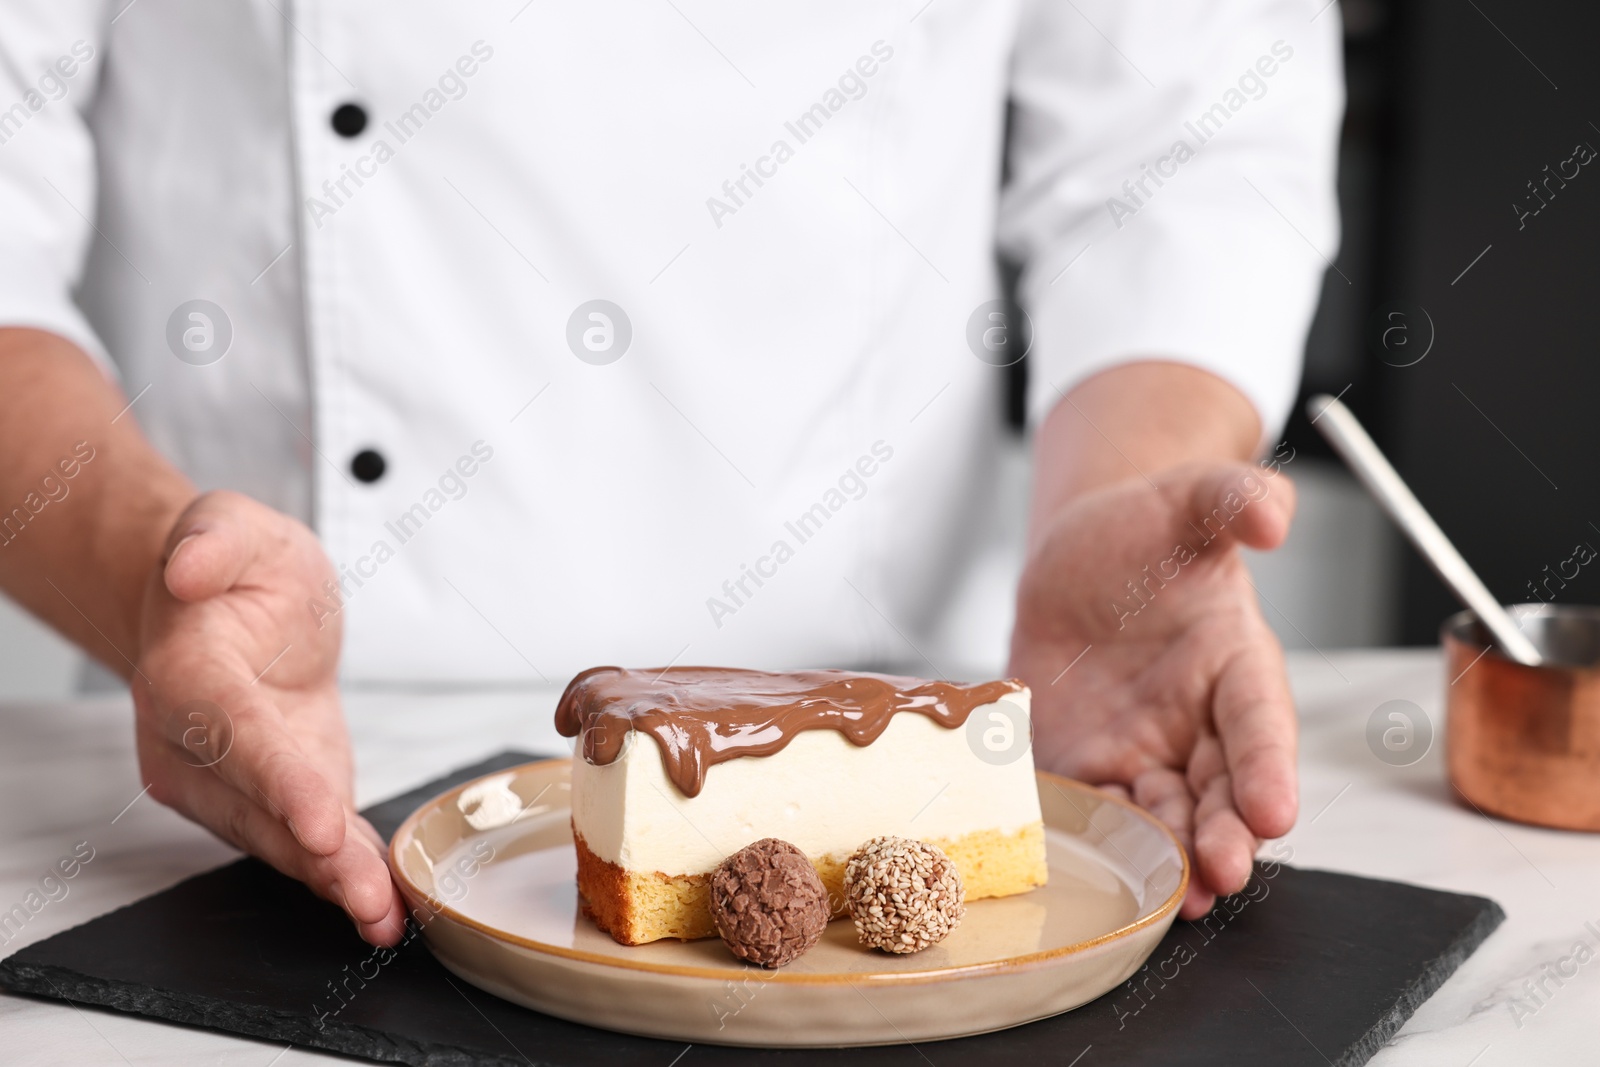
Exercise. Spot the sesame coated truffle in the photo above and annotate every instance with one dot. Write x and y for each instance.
(903, 895)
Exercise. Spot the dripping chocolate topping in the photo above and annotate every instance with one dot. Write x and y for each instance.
(701, 716)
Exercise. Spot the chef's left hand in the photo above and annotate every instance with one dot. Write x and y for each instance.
(1181, 699)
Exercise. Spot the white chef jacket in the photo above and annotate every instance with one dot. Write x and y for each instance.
(796, 208)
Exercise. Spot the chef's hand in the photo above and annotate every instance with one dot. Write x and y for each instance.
(238, 721)
(1181, 699)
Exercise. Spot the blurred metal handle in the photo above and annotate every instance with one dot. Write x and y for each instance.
(1345, 433)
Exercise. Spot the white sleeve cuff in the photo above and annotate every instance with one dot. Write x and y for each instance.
(29, 298)
(1224, 285)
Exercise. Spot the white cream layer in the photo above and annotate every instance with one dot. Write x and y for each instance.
(820, 793)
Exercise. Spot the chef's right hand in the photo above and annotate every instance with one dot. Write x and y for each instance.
(237, 708)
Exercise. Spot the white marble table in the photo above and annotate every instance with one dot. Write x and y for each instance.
(67, 774)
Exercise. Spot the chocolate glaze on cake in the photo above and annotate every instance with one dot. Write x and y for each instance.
(700, 716)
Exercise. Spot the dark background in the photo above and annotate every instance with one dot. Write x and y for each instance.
(1454, 107)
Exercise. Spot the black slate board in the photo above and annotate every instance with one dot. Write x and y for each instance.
(1320, 969)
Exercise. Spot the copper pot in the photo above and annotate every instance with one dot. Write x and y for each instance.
(1524, 742)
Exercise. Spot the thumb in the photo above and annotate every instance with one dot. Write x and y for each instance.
(1239, 502)
(209, 548)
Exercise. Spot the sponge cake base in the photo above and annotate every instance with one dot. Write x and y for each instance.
(636, 907)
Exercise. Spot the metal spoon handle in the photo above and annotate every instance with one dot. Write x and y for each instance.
(1345, 433)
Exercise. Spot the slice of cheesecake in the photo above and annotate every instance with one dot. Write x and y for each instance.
(679, 768)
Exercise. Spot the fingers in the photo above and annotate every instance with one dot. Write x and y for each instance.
(1165, 794)
(266, 764)
(1238, 502)
(368, 831)
(388, 929)
(243, 741)
(355, 876)
(1254, 715)
(1224, 848)
(210, 547)
(1198, 807)
(1197, 901)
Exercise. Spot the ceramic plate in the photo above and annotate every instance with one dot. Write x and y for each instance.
(493, 862)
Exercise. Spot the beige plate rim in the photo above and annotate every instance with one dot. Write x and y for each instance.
(412, 891)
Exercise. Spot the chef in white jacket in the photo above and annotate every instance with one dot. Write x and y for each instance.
(653, 332)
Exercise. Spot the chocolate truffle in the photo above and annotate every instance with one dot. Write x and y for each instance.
(904, 895)
(767, 902)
